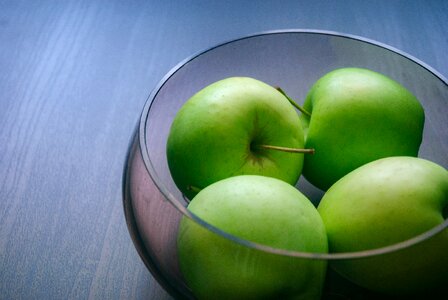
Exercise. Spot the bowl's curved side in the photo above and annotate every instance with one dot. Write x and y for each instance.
(153, 206)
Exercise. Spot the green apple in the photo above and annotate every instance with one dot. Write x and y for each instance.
(385, 202)
(259, 209)
(224, 130)
(357, 116)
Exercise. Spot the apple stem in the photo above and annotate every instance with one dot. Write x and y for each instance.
(304, 111)
(193, 188)
(286, 149)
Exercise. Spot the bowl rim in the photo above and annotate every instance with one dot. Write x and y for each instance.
(257, 246)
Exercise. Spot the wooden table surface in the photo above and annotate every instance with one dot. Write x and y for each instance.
(74, 76)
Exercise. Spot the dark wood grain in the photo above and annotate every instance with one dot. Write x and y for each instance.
(74, 76)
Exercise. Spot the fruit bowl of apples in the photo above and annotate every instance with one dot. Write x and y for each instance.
(294, 164)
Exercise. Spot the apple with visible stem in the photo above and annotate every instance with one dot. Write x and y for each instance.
(234, 126)
(262, 210)
(355, 116)
(385, 202)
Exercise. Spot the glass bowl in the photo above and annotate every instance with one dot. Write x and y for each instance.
(294, 60)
